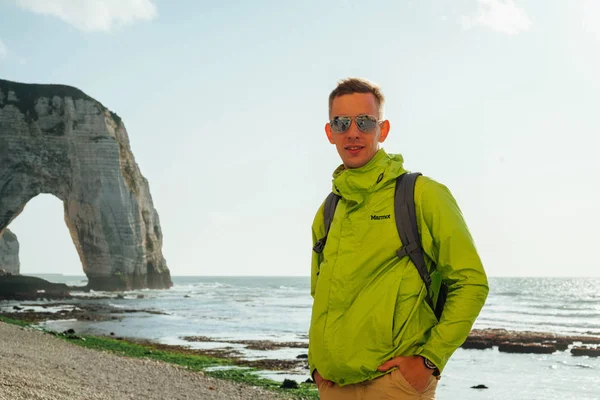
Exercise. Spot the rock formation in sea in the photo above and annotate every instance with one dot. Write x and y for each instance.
(9, 253)
(55, 139)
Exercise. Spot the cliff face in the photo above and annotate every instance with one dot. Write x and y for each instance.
(9, 253)
(55, 139)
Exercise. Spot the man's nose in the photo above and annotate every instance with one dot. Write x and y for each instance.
(353, 131)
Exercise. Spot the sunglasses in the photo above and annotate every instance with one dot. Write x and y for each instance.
(364, 123)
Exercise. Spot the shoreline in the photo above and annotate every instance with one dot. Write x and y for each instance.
(42, 365)
(522, 342)
(39, 312)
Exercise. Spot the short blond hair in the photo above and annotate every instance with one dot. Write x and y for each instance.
(358, 85)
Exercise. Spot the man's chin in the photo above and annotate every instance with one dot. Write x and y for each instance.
(353, 164)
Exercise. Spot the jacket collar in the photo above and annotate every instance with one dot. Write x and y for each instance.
(354, 184)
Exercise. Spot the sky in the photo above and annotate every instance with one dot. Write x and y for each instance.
(225, 105)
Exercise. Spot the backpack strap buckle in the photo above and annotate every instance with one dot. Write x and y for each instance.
(404, 251)
(320, 245)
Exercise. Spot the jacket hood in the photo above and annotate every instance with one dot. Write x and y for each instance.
(354, 184)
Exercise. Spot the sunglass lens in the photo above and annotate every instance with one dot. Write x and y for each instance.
(340, 124)
(366, 123)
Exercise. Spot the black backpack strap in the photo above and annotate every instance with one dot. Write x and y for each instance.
(328, 213)
(406, 222)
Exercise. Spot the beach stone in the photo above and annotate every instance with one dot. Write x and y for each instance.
(289, 384)
(55, 139)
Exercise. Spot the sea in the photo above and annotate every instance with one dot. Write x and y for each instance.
(279, 309)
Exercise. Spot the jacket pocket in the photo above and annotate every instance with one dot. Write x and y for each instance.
(419, 323)
(360, 336)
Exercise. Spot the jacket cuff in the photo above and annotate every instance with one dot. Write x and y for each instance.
(439, 363)
(312, 374)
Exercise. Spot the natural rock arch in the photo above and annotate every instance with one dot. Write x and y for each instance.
(55, 139)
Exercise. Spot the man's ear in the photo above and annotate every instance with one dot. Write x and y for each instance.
(385, 129)
(328, 133)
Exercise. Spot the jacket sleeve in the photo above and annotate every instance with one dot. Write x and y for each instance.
(318, 230)
(448, 242)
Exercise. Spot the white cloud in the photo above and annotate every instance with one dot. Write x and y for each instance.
(94, 15)
(499, 15)
(3, 50)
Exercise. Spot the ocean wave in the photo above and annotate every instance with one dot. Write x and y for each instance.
(584, 366)
(199, 285)
(510, 294)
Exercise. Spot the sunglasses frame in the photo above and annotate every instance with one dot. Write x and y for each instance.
(353, 119)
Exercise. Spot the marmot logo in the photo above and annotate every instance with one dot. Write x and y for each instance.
(378, 217)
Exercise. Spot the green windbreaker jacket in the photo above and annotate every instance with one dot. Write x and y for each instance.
(369, 305)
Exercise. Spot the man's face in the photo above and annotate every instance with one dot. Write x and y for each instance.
(355, 147)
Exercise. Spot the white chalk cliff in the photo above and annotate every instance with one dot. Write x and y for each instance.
(55, 139)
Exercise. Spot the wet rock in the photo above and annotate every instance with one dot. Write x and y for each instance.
(289, 384)
(479, 387)
(140, 296)
(70, 334)
(112, 334)
(559, 344)
(22, 287)
(303, 356)
(498, 336)
(477, 344)
(526, 348)
(309, 380)
(17, 308)
(586, 351)
(120, 297)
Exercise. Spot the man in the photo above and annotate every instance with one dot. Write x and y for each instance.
(372, 333)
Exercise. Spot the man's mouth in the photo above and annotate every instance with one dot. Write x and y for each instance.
(353, 148)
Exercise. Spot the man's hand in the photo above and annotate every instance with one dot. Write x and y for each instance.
(412, 368)
(319, 379)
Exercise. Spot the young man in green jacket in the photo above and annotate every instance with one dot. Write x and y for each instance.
(372, 333)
